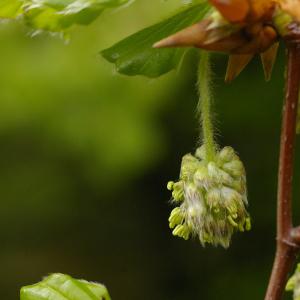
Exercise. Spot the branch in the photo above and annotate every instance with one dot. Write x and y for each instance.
(288, 238)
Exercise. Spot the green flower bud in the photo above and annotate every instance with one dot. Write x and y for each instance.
(235, 168)
(201, 177)
(213, 198)
(227, 154)
(293, 284)
(201, 153)
(188, 166)
(282, 21)
(170, 185)
(178, 193)
(248, 224)
(219, 175)
(176, 217)
(182, 231)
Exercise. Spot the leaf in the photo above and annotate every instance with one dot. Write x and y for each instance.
(63, 287)
(135, 56)
(10, 8)
(58, 15)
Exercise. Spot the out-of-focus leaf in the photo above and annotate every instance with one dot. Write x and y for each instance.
(58, 15)
(10, 8)
(64, 287)
(135, 56)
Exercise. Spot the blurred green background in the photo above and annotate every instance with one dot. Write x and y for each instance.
(85, 155)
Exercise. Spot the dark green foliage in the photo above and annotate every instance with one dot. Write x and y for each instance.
(135, 55)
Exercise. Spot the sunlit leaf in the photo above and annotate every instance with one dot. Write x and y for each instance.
(64, 287)
(58, 15)
(10, 8)
(135, 56)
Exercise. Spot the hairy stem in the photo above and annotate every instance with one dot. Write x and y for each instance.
(287, 244)
(204, 105)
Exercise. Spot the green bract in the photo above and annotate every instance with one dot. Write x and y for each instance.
(135, 56)
(64, 287)
(212, 196)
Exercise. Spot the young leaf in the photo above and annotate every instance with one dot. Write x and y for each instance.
(58, 15)
(10, 8)
(135, 56)
(64, 287)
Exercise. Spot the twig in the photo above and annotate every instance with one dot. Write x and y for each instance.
(288, 238)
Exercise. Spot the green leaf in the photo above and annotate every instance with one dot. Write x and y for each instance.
(135, 56)
(58, 15)
(64, 287)
(10, 8)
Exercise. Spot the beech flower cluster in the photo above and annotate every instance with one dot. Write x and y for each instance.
(212, 198)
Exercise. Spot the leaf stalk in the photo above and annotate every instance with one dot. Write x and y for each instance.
(204, 105)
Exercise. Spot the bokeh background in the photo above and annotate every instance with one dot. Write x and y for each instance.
(85, 155)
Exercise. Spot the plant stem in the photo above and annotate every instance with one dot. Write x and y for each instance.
(204, 105)
(287, 241)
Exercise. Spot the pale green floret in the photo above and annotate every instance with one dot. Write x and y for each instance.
(293, 284)
(182, 231)
(189, 165)
(218, 175)
(240, 186)
(248, 224)
(176, 217)
(213, 198)
(170, 185)
(227, 154)
(200, 153)
(235, 168)
(178, 193)
(201, 177)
